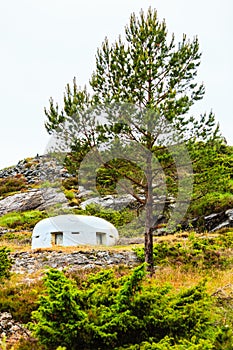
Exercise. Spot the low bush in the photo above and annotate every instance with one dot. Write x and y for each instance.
(196, 251)
(127, 312)
(22, 220)
(71, 183)
(5, 263)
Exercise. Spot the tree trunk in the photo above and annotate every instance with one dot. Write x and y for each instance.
(149, 218)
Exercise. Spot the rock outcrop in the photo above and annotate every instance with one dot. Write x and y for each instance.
(40, 168)
(39, 199)
(210, 223)
(30, 262)
(10, 329)
(220, 220)
(111, 202)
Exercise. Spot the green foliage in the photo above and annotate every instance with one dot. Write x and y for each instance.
(24, 220)
(59, 316)
(28, 344)
(117, 218)
(213, 188)
(168, 344)
(212, 202)
(3, 343)
(5, 264)
(69, 194)
(198, 252)
(109, 175)
(106, 312)
(70, 189)
(71, 183)
(145, 87)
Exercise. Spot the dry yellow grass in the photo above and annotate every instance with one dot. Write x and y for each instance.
(176, 275)
(180, 278)
(14, 247)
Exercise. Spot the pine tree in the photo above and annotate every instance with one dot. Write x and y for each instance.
(146, 86)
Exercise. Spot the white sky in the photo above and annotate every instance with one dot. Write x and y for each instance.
(45, 43)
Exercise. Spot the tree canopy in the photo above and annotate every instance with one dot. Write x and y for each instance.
(136, 108)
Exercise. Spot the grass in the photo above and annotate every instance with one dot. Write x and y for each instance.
(195, 251)
(16, 241)
(179, 278)
(24, 220)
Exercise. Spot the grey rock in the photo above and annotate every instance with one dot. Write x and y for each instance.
(110, 201)
(34, 170)
(39, 199)
(30, 262)
(212, 222)
(83, 193)
(11, 329)
(220, 220)
(229, 213)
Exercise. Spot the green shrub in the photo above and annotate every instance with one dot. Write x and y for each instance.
(69, 194)
(117, 218)
(23, 221)
(195, 252)
(59, 318)
(5, 263)
(212, 202)
(168, 344)
(106, 312)
(71, 183)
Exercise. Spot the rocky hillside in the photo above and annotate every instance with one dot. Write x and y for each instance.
(26, 187)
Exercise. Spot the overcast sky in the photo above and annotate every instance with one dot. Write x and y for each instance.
(45, 43)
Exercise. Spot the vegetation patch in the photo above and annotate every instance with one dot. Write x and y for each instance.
(20, 298)
(194, 252)
(21, 238)
(118, 218)
(22, 220)
(5, 263)
(127, 312)
(12, 185)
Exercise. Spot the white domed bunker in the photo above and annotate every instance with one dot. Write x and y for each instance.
(73, 230)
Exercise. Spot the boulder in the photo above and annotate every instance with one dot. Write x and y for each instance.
(217, 221)
(111, 202)
(83, 193)
(39, 199)
(212, 222)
